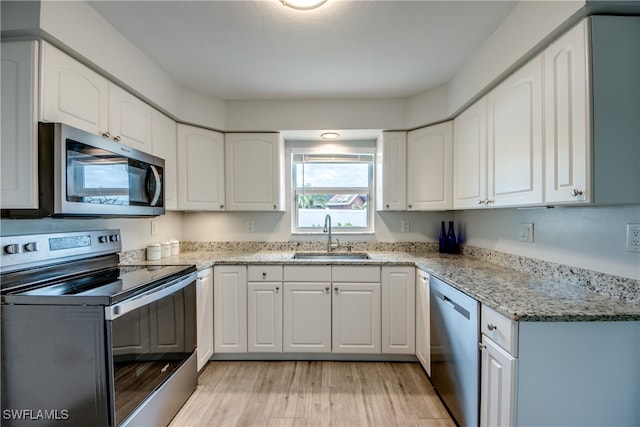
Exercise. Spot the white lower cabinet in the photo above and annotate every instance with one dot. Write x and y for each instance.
(356, 309)
(204, 315)
(306, 314)
(230, 309)
(423, 334)
(264, 309)
(398, 310)
(498, 373)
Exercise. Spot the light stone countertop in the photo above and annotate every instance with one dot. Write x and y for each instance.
(518, 295)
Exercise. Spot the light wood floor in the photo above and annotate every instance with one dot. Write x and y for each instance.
(313, 394)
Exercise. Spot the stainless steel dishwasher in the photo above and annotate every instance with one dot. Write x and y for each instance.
(455, 359)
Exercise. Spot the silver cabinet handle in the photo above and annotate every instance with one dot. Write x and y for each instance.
(326, 289)
(491, 326)
(481, 346)
(117, 138)
(575, 192)
(106, 135)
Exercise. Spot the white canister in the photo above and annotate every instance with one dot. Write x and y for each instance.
(166, 249)
(154, 251)
(175, 247)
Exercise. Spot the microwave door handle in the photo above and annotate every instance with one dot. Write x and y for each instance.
(157, 185)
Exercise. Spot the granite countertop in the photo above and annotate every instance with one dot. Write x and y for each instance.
(518, 295)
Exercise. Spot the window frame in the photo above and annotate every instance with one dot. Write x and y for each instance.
(337, 150)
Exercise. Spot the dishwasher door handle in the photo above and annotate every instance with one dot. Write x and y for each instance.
(457, 307)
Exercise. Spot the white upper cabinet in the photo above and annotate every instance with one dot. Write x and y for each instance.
(129, 119)
(163, 136)
(200, 169)
(515, 162)
(255, 171)
(567, 145)
(391, 171)
(72, 93)
(430, 167)
(470, 157)
(19, 125)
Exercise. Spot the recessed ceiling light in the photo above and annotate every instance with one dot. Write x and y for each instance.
(329, 135)
(303, 4)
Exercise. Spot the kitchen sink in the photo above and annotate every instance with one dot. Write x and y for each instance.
(330, 256)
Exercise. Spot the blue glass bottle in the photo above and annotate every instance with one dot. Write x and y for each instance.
(442, 239)
(452, 243)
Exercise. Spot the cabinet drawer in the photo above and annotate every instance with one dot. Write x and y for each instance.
(500, 329)
(307, 273)
(264, 273)
(369, 274)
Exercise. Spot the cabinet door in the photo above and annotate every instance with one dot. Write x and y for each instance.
(515, 138)
(255, 174)
(129, 119)
(19, 177)
(264, 306)
(230, 309)
(391, 174)
(204, 313)
(566, 118)
(497, 389)
(307, 317)
(200, 169)
(430, 167)
(163, 135)
(356, 317)
(398, 310)
(423, 338)
(470, 157)
(72, 93)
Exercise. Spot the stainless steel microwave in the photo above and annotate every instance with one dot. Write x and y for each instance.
(84, 175)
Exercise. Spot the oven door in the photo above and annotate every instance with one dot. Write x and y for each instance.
(150, 337)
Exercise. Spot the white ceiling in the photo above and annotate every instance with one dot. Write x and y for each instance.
(252, 50)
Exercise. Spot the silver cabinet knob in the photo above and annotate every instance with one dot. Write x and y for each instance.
(410, 206)
(481, 202)
(117, 138)
(264, 275)
(575, 192)
(277, 289)
(275, 206)
(386, 206)
(326, 289)
(106, 135)
(221, 206)
(491, 326)
(336, 289)
(481, 346)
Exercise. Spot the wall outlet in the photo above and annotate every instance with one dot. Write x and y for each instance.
(525, 233)
(633, 237)
(154, 227)
(249, 227)
(404, 226)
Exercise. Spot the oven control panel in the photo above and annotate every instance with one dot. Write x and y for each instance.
(24, 251)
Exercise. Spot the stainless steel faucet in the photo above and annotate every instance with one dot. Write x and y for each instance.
(327, 229)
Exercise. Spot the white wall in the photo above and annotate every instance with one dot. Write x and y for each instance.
(588, 237)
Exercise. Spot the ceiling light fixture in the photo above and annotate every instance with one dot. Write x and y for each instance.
(330, 135)
(303, 4)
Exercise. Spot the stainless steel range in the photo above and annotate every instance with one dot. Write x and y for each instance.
(88, 342)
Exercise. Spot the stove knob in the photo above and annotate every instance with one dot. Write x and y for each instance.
(13, 248)
(103, 239)
(113, 238)
(32, 247)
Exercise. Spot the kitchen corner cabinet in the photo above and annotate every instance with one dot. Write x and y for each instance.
(470, 157)
(356, 309)
(163, 135)
(581, 373)
(307, 309)
(430, 168)
(391, 175)
(204, 315)
(19, 148)
(264, 308)
(230, 309)
(200, 169)
(398, 310)
(423, 328)
(515, 132)
(254, 171)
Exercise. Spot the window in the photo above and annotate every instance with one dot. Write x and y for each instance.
(340, 185)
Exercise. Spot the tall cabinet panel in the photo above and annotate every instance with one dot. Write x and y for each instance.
(398, 310)
(204, 315)
(19, 125)
(391, 171)
(255, 171)
(163, 135)
(470, 157)
(423, 333)
(430, 167)
(230, 309)
(515, 138)
(72, 93)
(200, 169)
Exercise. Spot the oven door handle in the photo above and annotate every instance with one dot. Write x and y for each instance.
(127, 306)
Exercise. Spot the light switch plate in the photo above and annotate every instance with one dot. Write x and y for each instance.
(525, 232)
(633, 238)
(404, 226)
(249, 227)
